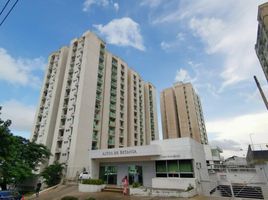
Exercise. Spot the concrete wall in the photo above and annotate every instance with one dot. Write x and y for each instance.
(174, 183)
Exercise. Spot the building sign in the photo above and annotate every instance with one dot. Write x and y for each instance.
(119, 152)
(148, 150)
(170, 156)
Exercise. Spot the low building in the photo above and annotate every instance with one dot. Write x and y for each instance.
(213, 157)
(167, 164)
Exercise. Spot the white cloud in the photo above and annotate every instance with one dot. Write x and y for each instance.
(173, 44)
(166, 45)
(116, 7)
(228, 30)
(20, 71)
(151, 3)
(226, 144)
(238, 129)
(183, 75)
(122, 32)
(21, 115)
(88, 3)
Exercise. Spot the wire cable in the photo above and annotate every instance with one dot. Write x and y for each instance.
(4, 7)
(9, 12)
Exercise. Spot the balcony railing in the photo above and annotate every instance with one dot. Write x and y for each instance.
(112, 115)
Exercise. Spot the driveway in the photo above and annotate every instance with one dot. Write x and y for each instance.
(72, 190)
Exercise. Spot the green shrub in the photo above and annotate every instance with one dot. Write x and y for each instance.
(136, 185)
(90, 198)
(69, 198)
(190, 187)
(93, 181)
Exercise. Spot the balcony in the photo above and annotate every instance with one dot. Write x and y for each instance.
(96, 127)
(98, 97)
(99, 88)
(58, 149)
(113, 115)
(62, 126)
(111, 142)
(71, 71)
(97, 117)
(114, 70)
(114, 63)
(112, 124)
(100, 81)
(100, 73)
(95, 137)
(113, 91)
(114, 79)
(101, 66)
(113, 83)
(102, 50)
(101, 57)
(113, 99)
(60, 138)
(112, 107)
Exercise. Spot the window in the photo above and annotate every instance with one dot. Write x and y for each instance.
(161, 166)
(174, 168)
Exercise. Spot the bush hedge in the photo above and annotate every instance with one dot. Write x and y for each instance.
(90, 198)
(69, 198)
(136, 185)
(93, 181)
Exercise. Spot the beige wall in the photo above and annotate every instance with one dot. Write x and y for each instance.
(169, 115)
(181, 113)
(151, 113)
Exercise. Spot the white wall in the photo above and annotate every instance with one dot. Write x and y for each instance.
(173, 183)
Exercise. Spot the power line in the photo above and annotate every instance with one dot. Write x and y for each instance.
(9, 12)
(4, 7)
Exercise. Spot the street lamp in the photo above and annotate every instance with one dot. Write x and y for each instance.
(251, 140)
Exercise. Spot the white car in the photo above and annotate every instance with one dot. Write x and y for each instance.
(84, 175)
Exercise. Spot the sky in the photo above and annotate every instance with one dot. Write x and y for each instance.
(209, 43)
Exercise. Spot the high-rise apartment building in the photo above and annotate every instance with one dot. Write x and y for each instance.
(46, 114)
(261, 46)
(181, 113)
(100, 103)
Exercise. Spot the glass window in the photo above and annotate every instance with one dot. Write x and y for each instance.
(161, 166)
(172, 166)
(186, 166)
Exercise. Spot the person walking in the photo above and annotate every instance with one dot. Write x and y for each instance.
(38, 187)
(125, 185)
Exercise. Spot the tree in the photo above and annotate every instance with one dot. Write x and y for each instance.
(52, 174)
(18, 156)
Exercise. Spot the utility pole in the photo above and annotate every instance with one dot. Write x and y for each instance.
(261, 91)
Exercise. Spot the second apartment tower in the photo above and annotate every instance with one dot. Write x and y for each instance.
(181, 113)
(100, 103)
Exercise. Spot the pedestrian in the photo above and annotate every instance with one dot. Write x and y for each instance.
(38, 187)
(125, 185)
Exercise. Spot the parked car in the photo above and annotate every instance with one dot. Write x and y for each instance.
(84, 175)
(10, 195)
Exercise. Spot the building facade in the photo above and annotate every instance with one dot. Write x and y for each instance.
(47, 110)
(181, 113)
(100, 103)
(261, 46)
(166, 164)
